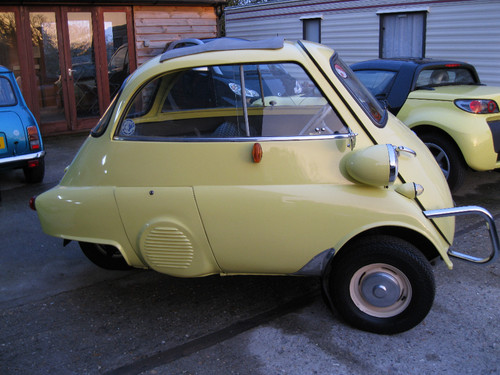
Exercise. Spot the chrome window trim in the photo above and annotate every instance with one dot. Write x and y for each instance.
(347, 136)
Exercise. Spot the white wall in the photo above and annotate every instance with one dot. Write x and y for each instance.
(466, 30)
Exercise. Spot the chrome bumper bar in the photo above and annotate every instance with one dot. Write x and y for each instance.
(471, 210)
(23, 157)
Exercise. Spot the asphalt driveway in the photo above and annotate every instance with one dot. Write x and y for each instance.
(60, 314)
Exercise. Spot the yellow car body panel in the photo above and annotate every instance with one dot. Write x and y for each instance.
(87, 214)
(295, 223)
(469, 131)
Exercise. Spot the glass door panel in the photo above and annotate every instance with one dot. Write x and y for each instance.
(83, 71)
(8, 43)
(48, 82)
(115, 30)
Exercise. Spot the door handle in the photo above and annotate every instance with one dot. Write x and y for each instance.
(70, 73)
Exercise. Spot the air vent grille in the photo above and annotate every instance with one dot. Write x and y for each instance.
(168, 247)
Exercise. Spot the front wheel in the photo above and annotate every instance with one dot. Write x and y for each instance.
(381, 284)
(104, 256)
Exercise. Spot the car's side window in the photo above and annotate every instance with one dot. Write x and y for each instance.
(231, 101)
(7, 96)
(377, 81)
(285, 102)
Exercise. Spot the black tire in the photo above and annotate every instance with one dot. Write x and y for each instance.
(448, 157)
(35, 174)
(381, 284)
(104, 256)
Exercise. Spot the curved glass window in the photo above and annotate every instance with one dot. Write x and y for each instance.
(377, 81)
(367, 101)
(102, 125)
(230, 101)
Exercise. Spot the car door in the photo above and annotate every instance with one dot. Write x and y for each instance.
(280, 178)
(203, 139)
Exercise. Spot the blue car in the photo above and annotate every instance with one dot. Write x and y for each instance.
(21, 144)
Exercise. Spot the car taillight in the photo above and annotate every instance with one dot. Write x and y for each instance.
(33, 163)
(479, 106)
(32, 203)
(33, 138)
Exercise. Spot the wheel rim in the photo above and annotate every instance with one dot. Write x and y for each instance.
(441, 158)
(380, 290)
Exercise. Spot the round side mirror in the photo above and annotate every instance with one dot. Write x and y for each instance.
(376, 165)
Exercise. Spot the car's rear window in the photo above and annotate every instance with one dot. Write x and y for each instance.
(445, 76)
(7, 96)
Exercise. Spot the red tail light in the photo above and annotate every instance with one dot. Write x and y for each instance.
(475, 106)
(479, 106)
(33, 163)
(33, 138)
(32, 203)
(492, 107)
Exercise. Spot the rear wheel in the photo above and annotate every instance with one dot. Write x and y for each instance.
(35, 174)
(448, 158)
(104, 256)
(381, 284)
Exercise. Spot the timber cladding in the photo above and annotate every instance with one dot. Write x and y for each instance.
(158, 25)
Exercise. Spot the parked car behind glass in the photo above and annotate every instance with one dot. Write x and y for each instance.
(445, 103)
(21, 144)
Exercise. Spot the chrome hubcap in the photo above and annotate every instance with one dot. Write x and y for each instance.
(380, 290)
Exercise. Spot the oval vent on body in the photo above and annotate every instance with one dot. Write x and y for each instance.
(167, 247)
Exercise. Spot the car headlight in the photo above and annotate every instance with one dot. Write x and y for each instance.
(478, 106)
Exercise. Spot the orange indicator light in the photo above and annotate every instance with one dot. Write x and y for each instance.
(257, 152)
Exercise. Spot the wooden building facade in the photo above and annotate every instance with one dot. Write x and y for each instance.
(70, 58)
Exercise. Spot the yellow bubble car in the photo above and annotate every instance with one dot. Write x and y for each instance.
(237, 157)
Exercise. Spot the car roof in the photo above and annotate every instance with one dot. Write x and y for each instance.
(397, 63)
(3, 69)
(223, 44)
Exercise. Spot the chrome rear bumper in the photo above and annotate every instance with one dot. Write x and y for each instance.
(22, 157)
(471, 210)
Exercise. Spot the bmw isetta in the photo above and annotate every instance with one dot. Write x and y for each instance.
(263, 158)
